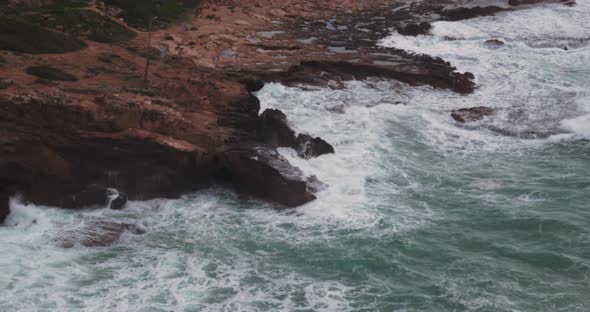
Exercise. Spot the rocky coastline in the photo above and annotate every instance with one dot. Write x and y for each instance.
(82, 128)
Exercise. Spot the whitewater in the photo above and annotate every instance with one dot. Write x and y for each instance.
(421, 214)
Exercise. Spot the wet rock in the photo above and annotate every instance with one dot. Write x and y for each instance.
(413, 29)
(259, 170)
(463, 82)
(472, 114)
(494, 43)
(117, 200)
(274, 129)
(472, 12)
(309, 147)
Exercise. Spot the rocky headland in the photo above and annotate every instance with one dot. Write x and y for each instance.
(84, 124)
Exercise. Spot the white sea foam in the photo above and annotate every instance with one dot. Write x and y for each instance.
(213, 251)
(532, 81)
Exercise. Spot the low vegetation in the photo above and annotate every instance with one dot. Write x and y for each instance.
(57, 28)
(85, 23)
(50, 73)
(137, 12)
(19, 35)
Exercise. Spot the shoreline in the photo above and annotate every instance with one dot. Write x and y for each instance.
(69, 140)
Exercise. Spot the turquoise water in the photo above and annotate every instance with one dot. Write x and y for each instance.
(422, 214)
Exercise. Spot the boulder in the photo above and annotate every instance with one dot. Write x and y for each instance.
(259, 170)
(413, 29)
(309, 147)
(472, 114)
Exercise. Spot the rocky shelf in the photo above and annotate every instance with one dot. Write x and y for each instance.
(79, 121)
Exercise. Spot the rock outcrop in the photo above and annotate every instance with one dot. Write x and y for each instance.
(274, 129)
(259, 170)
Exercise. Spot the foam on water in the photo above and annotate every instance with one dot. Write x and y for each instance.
(536, 86)
(421, 213)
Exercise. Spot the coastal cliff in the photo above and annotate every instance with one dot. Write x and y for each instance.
(81, 116)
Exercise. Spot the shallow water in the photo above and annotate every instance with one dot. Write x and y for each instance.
(422, 214)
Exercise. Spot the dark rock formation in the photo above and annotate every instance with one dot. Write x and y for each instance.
(309, 147)
(413, 29)
(274, 129)
(259, 170)
(275, 132)
(117, 200)
(467, 13)
(253, 85)
(426, 71)
(472, 114)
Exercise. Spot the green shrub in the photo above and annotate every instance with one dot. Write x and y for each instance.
(138, 12)
(50, 73)
(83, 22)
(22, 36)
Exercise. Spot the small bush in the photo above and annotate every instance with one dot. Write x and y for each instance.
(50, 73)
(19, 35)
(138, 12)
(83, 22)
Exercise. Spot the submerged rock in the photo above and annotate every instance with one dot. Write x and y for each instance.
(97, 233)
(259, 170)
(494, 43)
(527, 134)
(472, 114)
(309, 147)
